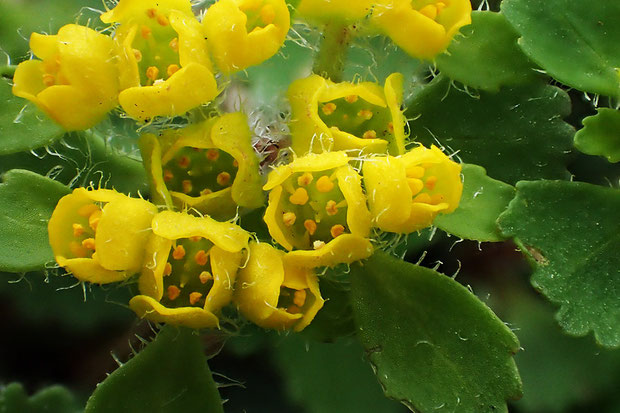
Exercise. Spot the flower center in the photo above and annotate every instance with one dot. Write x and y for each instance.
(84, 231)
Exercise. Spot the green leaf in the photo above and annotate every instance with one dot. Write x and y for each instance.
(53, 399)
(601, 135)
(330, 378)
(435, 346)
(482, 201)
(576, 42)
(336, 317)
(26, 204)
(22, 125)
(170, 375)
(570, 230)
(517, 133)
(486, 56)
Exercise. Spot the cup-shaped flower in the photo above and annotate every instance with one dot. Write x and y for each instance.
(273, 293)
(76, 80)
(329, 11)
(243, 33)
(316, 204)
(210, 166)
(99, 235)
(189, 270)
(357, 117)
(422, 28)
(405, 193)
(164, 63)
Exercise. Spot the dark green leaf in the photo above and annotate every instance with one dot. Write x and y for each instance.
(482, 201)
(576, 42)
(435, 346)
(517, 133)
(170, 375)
(26, 204)
(330, 378)
(53, 399)
(601, 135)
(336, 317)
(571, 231)
(486, 56)
(22, 125)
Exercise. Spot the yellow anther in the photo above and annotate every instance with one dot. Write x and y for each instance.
(151, 13)
(329, 108)
(305, 179)
(168, 175)
(310, 226)
(223, 178)
(390, 127)
(299, 298)
(167, 269)
(351, 98)
(365, 114)
(172, 69)
(430, 182)
(324, 184)
(345, 117)
(152, 72)
(293, 309)
(423, 198)
(187, 186)
(162, 20)
(299, 197)
(77, 249)
(173, 292)
(93, 219)
(336, 230)
(437, 199)
(184, 161)
(206, 191)
(89, 243)
(201, 257)
(87, 210)
(194, 297)
(48, 79)
(415, 185)
(145, 32)
(317, 245)
(78, 230)
(370, 134)
(267, 14)
(331, 208)
(235, 163)
(178, 253)
(415, 172)
(213, 154)
(137, 54)
(205, 276)
(195, 239)
(174, 44)
(289, 218)
(429, 11)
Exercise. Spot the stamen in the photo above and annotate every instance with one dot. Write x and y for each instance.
(430, 182)
(195, 239)
(331, 208)
(324, 184)
(167, 269)
(168, 175)
(205, 276)
(174, 44)
(137, 54)
(201, 257)
(299, 298)
(415, 185)
(152, 72)
(423, 198)
(370, 134)
(365, 114)
(89, 243)
(206, 191)
(93, 219)
(299, 197)
(178, 253)
(223, 178)
(173, 292)
(437, 199)
(415, 172)
(184, 161)
(351, 98)
(305, 179)
(213, 154)
(172, 69)
(145, 32)
(187, 186)
(390, 127)
(49, 79)
(293, 309)
(162, 20)
(289, 218)
(77, 249)
(78, 230)
(329, 108)
(151, 13)
(235, 163)
(194, 297)
(310, 226)
(336, 230)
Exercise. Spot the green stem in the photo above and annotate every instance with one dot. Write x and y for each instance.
(329, 62)
(8, 70)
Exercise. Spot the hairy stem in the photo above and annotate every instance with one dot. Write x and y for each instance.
(329, 62)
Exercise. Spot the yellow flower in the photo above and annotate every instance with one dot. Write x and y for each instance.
(99, 235)
(422, 28)
(210, 166)
(406, 193)
(243, 33)
(76, 82)
(347, 116)
(164, 63)
(273, 293)
(317, 204)
(327, 11)
(189, 271)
